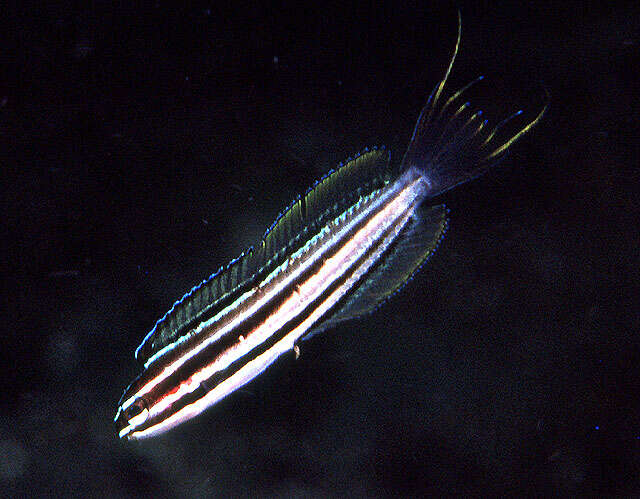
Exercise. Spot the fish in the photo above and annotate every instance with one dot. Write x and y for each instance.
(337, 253)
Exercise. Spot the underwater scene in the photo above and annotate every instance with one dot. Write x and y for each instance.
(320, 251)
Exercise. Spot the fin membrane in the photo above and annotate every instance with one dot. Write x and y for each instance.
(410, 251)
(452, 143)
(328, 196)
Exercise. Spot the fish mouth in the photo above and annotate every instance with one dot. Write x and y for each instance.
(122, 429)
(121, 425)
(129, 419)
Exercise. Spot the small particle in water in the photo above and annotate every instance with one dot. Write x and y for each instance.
(82, 49)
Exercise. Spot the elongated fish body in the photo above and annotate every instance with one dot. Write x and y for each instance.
(335, 254)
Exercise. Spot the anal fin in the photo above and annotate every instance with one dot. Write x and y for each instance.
(410, 251)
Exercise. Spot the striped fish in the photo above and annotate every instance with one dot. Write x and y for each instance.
(335, 254)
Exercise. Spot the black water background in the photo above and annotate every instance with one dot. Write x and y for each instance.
(143, 146)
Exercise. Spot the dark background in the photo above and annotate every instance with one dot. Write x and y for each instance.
(144, 145)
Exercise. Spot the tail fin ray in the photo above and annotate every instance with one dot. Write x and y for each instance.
(447, 146)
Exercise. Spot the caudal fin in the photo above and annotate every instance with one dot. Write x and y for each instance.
(452, 143)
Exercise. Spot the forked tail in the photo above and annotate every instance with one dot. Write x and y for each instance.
(451, 142)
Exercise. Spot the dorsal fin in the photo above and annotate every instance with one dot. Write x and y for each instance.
(291, 229)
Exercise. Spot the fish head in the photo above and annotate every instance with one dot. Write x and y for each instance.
(133, 410)
(131, 416)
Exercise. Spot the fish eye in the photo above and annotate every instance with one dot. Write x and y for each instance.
(137, 413)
